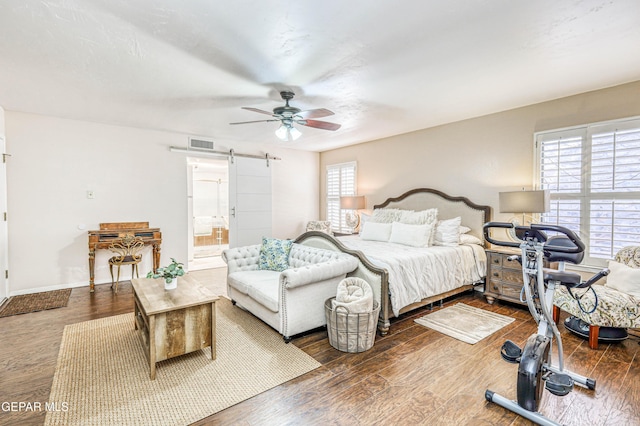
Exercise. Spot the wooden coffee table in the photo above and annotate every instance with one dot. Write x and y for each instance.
(174, 322)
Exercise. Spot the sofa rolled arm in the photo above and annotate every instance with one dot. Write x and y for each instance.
(296, 277)
(242, 258)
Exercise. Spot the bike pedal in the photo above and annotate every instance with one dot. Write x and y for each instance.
(511, 352)
(559, 384)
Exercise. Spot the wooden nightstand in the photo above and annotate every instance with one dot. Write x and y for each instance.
(504, 278)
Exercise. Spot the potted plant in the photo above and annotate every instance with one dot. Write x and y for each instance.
(170, 274)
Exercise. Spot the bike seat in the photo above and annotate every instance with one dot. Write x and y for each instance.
(569, 279)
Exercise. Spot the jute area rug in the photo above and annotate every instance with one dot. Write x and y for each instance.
(102, 376)
(25, 303)
(465, 322)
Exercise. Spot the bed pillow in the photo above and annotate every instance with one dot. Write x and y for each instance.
(410, 235)
(624, 278)
(447, 232)
(374, 231)
(419, 218)
(364, 218)
(386, 215)
(274, 254)
(470, 239)
(464, 229)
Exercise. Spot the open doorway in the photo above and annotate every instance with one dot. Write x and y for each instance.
(208, 212)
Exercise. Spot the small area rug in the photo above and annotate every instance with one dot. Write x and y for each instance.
(465, 322)
(102, 376)
(25, 303)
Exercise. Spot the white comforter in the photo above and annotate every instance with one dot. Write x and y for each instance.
(418, 273)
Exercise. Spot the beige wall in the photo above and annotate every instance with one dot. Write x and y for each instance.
(134, 176)
(475, 158)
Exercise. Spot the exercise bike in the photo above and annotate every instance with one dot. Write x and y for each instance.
(535, 366)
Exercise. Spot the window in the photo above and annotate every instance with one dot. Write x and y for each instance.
(341, 181)
(593, 175)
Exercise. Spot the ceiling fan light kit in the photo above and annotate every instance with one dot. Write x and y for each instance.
(288, 115)
(287, 132)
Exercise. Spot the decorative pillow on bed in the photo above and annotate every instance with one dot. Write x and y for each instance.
(410, 235)
(274, 254)
(464, 229)
(447, 232)
(470, 239)
(624, 278)
(364, 218)
(422, 217)
(375, 231)
(386, 215)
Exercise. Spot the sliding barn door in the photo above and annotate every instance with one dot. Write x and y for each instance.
(249, 201)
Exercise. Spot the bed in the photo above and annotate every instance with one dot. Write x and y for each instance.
(405, 278)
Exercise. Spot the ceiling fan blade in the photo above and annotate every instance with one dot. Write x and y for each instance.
(255, 121)
(315, 113)
(261, 111)
(319, 124)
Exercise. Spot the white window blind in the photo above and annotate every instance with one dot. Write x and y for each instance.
(593, 174)
(341, 181)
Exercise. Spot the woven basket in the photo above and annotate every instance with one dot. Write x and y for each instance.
(351, 332)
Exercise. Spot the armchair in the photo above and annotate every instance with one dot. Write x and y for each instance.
(616, 310)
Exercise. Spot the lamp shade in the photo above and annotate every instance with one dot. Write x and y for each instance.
(524, 201)
(355, 202)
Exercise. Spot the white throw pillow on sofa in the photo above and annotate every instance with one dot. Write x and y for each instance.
(410, 235)
(624, 278)
(375, 231)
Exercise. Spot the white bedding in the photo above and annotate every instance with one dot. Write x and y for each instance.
(418, 273)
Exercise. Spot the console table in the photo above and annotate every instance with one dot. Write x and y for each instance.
(174, 322)
(114, 231)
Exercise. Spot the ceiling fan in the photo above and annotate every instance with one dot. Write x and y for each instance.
(289, 115)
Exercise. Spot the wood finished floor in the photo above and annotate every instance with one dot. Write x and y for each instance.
(412, 376)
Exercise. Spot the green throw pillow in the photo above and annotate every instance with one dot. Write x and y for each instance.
(274, 254)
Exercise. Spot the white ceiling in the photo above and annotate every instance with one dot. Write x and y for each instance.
(383, 67)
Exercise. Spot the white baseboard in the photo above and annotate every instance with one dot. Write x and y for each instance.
(48, 288)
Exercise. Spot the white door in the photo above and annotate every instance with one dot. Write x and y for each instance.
(249, 201)
(4, 246)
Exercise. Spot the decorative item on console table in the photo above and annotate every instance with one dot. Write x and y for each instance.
(169, 273)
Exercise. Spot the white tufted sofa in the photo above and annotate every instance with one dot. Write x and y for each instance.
(291, 301)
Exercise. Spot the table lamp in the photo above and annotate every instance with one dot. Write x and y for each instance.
(523, 202)
(353, 203)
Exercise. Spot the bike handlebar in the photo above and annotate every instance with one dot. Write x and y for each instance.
(597, 277)
(579, 245)
(487, 226)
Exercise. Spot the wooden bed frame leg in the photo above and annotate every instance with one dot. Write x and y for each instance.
(383, 327)
(594, 332)
(556, 314)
